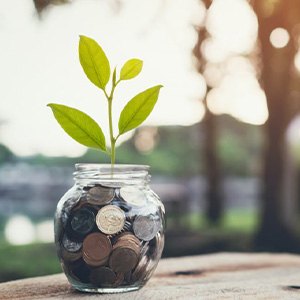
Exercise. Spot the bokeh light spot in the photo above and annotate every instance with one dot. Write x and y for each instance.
(19, 230)
(279, 37)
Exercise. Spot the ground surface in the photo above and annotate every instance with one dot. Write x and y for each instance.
(215, 276)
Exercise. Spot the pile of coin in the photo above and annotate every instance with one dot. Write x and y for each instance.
(109, 237)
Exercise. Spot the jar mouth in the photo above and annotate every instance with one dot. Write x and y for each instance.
(103, 173)
(106, 168)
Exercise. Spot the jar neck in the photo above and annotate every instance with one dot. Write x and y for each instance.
(120, 175)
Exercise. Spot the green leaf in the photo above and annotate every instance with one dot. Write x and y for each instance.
(81, 127)
(114, 77)
(138, 109)
(131, 69)
(94, 62)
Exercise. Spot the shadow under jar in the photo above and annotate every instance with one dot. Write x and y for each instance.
(109, 228)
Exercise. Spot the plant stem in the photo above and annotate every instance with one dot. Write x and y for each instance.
(111, 133)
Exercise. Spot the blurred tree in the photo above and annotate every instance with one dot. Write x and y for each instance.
(214, 207)
(280, 82)
(40, 5)
(5, 154)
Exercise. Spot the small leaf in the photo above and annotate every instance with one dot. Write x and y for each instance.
(131, 69)
(94, 62)
(81, 127)
(114, 77)
(138, 109)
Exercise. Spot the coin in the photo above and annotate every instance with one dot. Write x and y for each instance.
(127, 226)
(103, 276)
(123, 260)
(69, 256)
(110, 219)
(96, 249)
(127, 237)
(80, 271)
(146, 227)
(140, 269)
(69, 245)
(68, 205)
(133, 195)
(99, 195)
(122, 204)
(144, 249)
(156, 247)
(119, 279)
(83, 221)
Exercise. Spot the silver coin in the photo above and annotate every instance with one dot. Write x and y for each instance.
(83, 220)
(71, 246)
(68, 205)
(146, 227)
(133, 195)
(99, 195)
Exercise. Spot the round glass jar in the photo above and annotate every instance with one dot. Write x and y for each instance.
(109, 228)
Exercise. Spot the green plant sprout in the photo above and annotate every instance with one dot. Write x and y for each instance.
(96, 66)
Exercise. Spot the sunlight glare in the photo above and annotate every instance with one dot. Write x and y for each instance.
(233, 24)
(240, 96)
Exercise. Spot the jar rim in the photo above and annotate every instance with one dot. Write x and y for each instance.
(106, 168)
(103, 173)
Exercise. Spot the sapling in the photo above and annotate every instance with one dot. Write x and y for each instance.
(96, 66)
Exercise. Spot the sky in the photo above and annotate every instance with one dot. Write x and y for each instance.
(39, 64)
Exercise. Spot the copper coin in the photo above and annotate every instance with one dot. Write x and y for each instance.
(99, 195)
(146, 227)
(123, 260)
(70, 256)
(94, 263)
(110, 219)
(103, 277)
(128, 244)
(96, 247)
(119, 279)
(80, 271)
(128, 236)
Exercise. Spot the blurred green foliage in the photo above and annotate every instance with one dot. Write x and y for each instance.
(178, 150)
(27, 261)
(5, 154)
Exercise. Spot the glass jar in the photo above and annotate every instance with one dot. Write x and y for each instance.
(109, 228)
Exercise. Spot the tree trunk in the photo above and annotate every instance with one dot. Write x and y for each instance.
(275, 231)
(214, 208)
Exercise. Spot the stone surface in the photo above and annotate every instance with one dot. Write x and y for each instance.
(215, 276)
